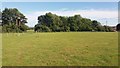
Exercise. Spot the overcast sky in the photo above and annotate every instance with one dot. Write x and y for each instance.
(101, 11)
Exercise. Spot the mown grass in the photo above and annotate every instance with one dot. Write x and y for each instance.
(60, 49)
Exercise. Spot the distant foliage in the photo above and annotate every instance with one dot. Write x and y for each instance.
(53, 23)
(9, 17)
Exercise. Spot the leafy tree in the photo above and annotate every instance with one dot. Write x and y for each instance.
(9, 16)
(72, 23)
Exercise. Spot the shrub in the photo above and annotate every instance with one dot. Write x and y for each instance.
(41, 28)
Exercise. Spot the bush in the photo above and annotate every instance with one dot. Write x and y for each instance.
(41, 28)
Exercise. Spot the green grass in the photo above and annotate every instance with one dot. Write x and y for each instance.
(0, 50)
(60, 49)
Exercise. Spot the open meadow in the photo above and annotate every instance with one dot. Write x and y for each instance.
(60, 49)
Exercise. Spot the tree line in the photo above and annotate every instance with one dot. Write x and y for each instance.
(54, 23)
(49, 23)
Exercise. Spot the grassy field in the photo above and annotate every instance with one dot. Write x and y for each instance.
(60, 49)
(0, 50)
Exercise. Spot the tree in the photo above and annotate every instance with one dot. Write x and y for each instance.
(9, 19)
(75, 22)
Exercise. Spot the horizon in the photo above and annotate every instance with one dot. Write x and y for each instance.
(100, 11)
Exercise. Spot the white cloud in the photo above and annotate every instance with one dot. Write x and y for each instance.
(99, 15)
